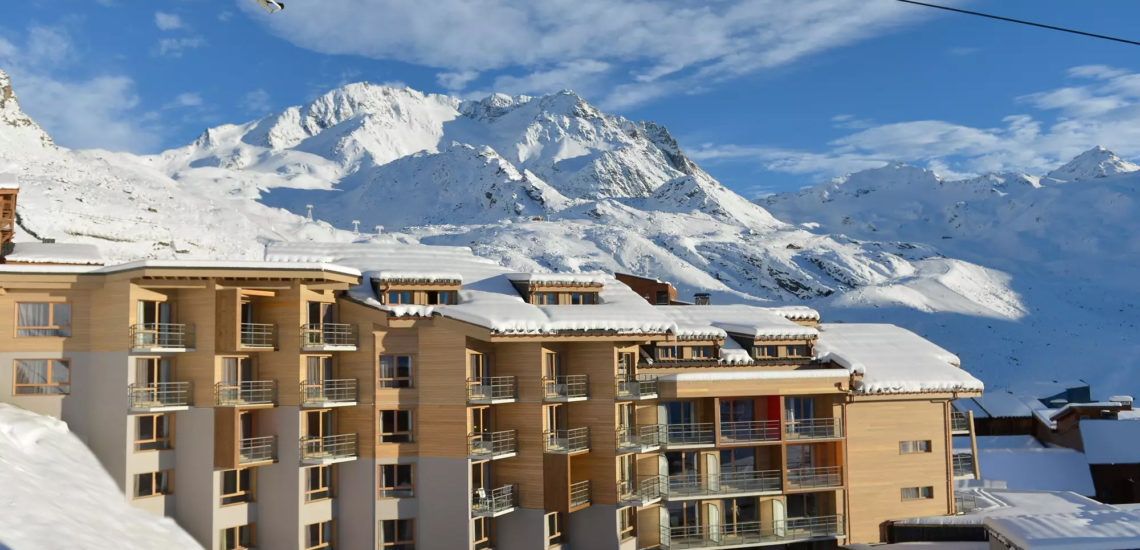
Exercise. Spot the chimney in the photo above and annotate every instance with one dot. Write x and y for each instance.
(9, 188)
(701, 299)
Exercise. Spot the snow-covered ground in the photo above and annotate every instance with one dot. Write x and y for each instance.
(56, 496)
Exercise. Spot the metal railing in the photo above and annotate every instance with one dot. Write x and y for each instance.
(567, 441)
(329, 447)
(964, 504)
(579, 493)
(644, 387)
(501, 499)
(574, 386)
(646, 490)
(812, 478)
(634, 438)
(162, 335)
(702, 433)
(750, 431)
(246, 392)
(725, 483)
(258, 335)
(814, 428)
(159, 394)
(257, 449)
(751, 532)
(963, 464)
(482, 445)
(318, 335)
(959, 422)
(492, 388)
(328, 391)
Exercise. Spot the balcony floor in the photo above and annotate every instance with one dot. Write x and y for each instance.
(676, 496)
(480, 457)
(160, 349)
(496, 401)
(321, 460)
(562, 399)
(328, 347)
(751, 541)
(492, 514)
(327, 404)
(158, 408)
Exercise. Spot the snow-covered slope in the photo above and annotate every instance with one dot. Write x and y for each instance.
(56, 496)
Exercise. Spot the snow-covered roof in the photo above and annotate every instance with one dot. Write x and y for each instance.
(438, 277)
(1001, 502)
(1038, 469)
(1110, 405)
(730, 376)
(1093, 530)
(595, 278)
(749, 321)
(1001, 403)
(1111, 441)
(8, 181)
(232, 264)
(56, 253)
(892, 359)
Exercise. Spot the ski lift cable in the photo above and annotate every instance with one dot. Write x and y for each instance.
(1023, 22)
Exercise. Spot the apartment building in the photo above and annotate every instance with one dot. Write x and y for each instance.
(401, 397)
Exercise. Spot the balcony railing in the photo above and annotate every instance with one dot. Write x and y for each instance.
(815, 478)
(682, 435)
(751, 533)
(500, 501)
(325, 393)
(575, 387)
(750, 431)
(641, 493)
(959, 423)
(328, 336)
(246, 392)
(580, 493)
(258, 335)
(963, 464)
(567, 441)
(492, 445)
(814, 428)
(252, 450)
(329, 448)
(644, 387)
(159, 395)
(640, 439)
(494, 389)
(965, 503)
(681, 487)
(171, 336)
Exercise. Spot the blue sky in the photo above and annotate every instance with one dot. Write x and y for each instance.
(767, 95)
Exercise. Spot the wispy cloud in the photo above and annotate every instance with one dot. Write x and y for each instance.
(175, 47)
(256, 101)
(167, 21)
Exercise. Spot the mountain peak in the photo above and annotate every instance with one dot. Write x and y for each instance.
(11, 115)
(1097, 162)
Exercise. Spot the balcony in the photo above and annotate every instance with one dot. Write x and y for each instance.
(564, 389)
(245, 393)
(644, 387)
(579, 494)
(639, 439)
(258, 336)
(963, 464)
(328, 393)
(696, 435)
(328, 449)
(824, 477)
(162, 337)
(257, 450)
(492, 445)
(641, 493)
(328, 337)
(492, 390)
(502, 500)
(959, 423)
(813, 428)
(159, 396)
(757, 431)
(566, 442)
(752, 533)
(726, 484)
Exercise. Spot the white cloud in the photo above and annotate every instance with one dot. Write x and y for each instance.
(649, 48)
(186, 99)
(456, 80)
(175, 47)
(257, 101)
(167, 21)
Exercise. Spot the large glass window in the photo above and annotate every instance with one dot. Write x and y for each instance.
(42, 377)
(238, 485)
(319, 536)
(398, 534)
(238, 538)
(154, 432)
(318, 482)
(153, 483)
(397, 480)
(43, 319)
(395, 371)
(395, 426)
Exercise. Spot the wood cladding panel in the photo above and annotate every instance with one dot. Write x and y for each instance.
(226, 438)
(440, 378)
(195, 306)
(668, 389)
(523, 361)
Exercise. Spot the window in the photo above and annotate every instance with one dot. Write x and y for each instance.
(553, 529)
(915, 493)
(442, 297)
(544, 298)
(702, 352)
(153, 483)
(915, 446)
(43, 319)
(42, 377)
(154, 432)
(397, 480)
(319, 536)
(626, 520)
(318, 482)
(765, 351)
(662, 298)
(395, 371)
(399, 297)
(238, 485)
(239, 538)
(667, 352)
(395, 426)
(481, 534)
(583, 298)
(398, 534)
(797, 351)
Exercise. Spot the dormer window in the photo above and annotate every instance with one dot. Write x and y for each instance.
(702, 352)
(417, 288)
(667, 353)
(399, 297)
(442, 297)
(797, 351)
(765, 352)
(583, 298)
(544, 298)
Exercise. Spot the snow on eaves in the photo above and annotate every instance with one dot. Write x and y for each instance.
(554, 279)
(55, 253)
(231, 264)
(892, 360)
(729, 376)
(752, 322)
(436, 277)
